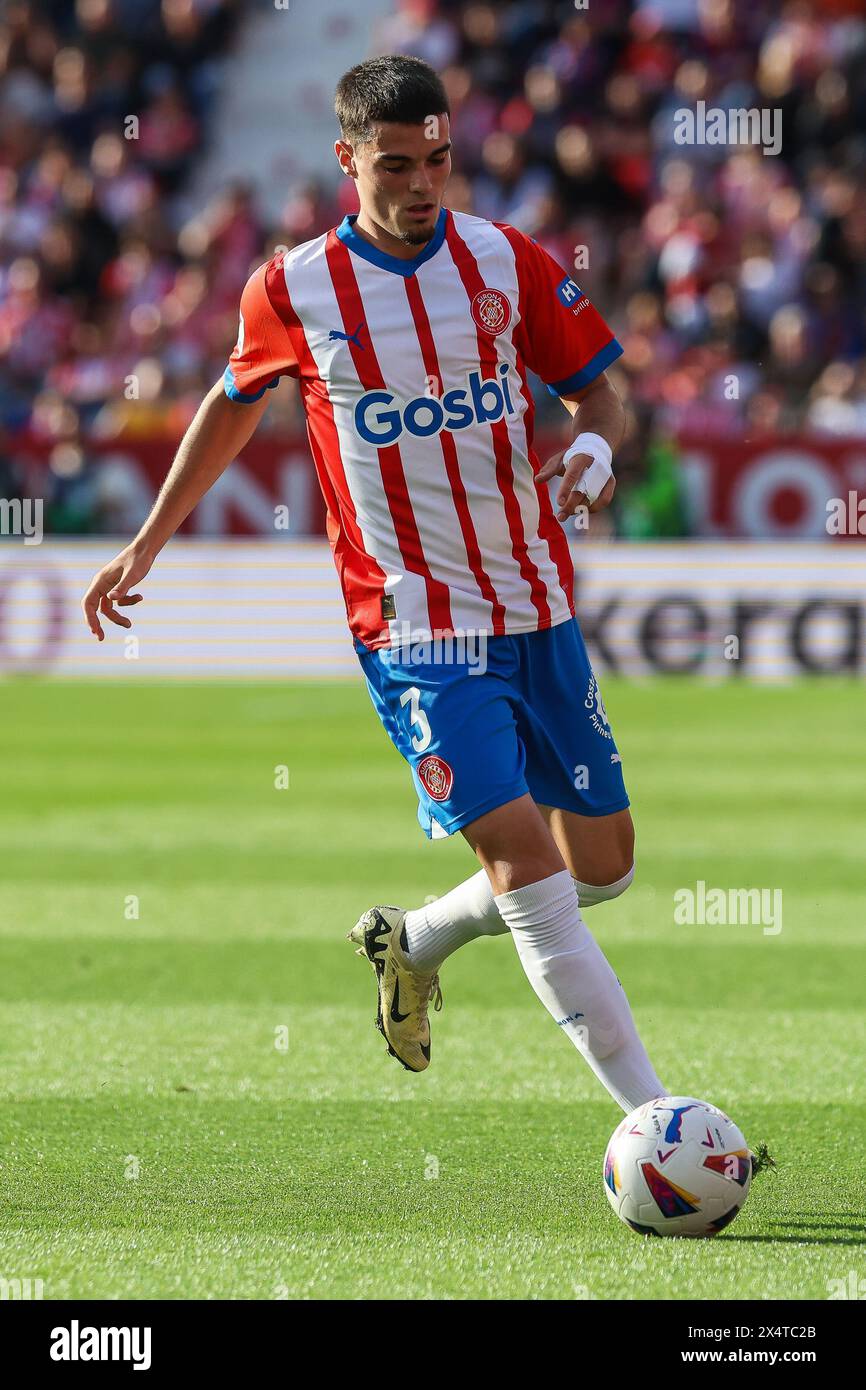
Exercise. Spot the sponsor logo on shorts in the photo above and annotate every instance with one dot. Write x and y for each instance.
(598, 714)
(436, 776)
(491, 311)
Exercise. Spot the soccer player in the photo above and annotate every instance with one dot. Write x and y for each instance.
(410, 329)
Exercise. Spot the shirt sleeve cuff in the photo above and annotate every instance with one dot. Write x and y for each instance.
(245, 397)
(594, 367)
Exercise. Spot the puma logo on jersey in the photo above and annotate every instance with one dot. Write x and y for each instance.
(335, 334)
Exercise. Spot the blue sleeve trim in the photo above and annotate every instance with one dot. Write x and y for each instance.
(594, 367)
(246, 398)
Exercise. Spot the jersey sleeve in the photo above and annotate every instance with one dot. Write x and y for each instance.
(263, 352)
(565, 340)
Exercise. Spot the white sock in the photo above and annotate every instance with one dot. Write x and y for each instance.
(437, 929)
(591, 894)
(433, 932)
(569, 973)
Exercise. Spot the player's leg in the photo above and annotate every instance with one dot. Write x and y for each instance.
(536, 896)
(598, 852)
(460, 734)
(574, 772)
(456, 729)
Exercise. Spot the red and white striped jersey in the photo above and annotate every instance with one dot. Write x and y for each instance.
(413, 377)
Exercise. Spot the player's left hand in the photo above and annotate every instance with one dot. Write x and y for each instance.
(568, 499)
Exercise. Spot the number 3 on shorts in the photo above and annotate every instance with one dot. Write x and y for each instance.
(421, 740)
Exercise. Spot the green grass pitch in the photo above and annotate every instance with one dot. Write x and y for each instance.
(159, 1140)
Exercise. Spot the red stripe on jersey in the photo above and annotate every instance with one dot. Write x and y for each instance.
(449, 453)
(361, 578)
(467, 267)
(278, 294)
(366, 364)
(549, 528)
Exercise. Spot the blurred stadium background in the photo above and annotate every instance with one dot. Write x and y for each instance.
(153, 152)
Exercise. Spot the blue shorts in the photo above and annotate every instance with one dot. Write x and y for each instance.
(524, 714)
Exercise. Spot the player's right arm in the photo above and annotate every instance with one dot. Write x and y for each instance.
(224, 424)
(218, 433)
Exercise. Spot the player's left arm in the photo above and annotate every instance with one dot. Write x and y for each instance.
(564, 339)
(596, 409)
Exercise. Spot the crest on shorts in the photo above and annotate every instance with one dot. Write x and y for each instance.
(491, 311)
(436, 776)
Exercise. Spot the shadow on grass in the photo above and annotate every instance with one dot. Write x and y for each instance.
(800, 1240)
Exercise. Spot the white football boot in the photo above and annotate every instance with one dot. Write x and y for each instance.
(404, 994)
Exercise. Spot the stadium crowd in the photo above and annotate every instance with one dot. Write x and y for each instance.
(735, 280)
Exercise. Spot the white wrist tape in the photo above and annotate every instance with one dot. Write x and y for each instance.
(599, 472)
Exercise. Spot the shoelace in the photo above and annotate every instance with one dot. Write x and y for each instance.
(432, 988)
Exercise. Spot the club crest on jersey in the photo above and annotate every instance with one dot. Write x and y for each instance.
(436, 776)
(491, 311)
(380, 418)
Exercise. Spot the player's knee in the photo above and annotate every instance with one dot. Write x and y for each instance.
(589, 894)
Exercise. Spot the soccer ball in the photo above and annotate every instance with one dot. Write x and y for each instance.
(677, 1167)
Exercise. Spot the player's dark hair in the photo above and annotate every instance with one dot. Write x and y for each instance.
(391, 88)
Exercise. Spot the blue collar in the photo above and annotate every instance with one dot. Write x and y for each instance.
(349, 237)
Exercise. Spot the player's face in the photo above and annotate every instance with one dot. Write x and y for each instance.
(401, 176)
